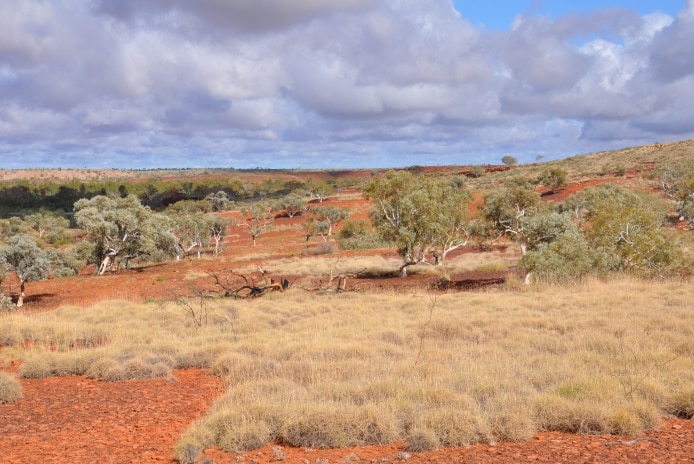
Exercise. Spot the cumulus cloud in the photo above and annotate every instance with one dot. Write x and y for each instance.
(346, 82)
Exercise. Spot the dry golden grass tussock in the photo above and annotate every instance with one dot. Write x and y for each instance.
(117, 340)
(606, 358)
(10, 388)
(348, 369)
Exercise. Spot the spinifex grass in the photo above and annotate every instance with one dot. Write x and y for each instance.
(10, 388)
(348, 369)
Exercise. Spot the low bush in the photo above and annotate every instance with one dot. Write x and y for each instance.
(10, 388)
(368, 241)
(325, 248)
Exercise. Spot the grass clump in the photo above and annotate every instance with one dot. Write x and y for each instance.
(421, 440)
(365, 368)
(681, 404)
(10, 388)
(492, 267)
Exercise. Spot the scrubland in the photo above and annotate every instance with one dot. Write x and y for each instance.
(434, 369)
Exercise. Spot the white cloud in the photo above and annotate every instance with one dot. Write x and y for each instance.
(360, 81)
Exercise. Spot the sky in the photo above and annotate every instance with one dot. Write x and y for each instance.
(338, 84)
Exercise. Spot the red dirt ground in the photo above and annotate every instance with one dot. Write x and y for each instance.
(78, 420)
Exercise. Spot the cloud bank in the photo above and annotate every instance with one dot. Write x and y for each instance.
(345, 83)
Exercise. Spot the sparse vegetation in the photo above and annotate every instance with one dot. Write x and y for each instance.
(340, 366)
(313, 370)
(10, 388)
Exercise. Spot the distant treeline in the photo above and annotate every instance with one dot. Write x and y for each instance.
(30, 195)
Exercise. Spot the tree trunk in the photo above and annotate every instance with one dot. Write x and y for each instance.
(216, 246)
(405, 264)
(105, 265)
(528, 278)
(438, 258)
(20, 300)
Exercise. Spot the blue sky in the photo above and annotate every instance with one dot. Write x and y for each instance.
(344, 83)
(499, 14)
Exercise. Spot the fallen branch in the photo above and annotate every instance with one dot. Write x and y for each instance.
(336, 282)
(249, 288)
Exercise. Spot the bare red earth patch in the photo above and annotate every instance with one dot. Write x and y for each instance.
(80, 420)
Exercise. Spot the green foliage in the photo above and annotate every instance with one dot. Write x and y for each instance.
(292, 204)
(613, 230)
(192, 232)
(85, 252)
(476, 171)
(315, 227)
(11, 227)
(23, 257)
(330, 215)
(677, 181)
(565, 259)
(544, 227)
(509, 160)
(49, 225)
(553, 178)
(418, 214)
(218, 201)
(357, 234)
(506, 212)
(186, 207)
(258, 219)
(354, 228)
(319, 189)
(626, 230)
(124, 229)
(63, 263)
(457, 182)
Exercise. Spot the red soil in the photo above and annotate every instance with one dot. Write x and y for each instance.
(76, 419)
(80, 420)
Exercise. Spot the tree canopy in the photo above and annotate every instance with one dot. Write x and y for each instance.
(124, 229)
(23, 257)
(420, 215)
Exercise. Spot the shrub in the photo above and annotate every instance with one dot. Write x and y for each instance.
(477, 171)
(325, 248)
(6, 303)
(566, 259)
(509, 160)
(682, 404)
(10, 388)
(422, 440)
(365, 242)
(492, 267)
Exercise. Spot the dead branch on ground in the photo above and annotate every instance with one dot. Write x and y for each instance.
(337, 281)
(237, 285)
